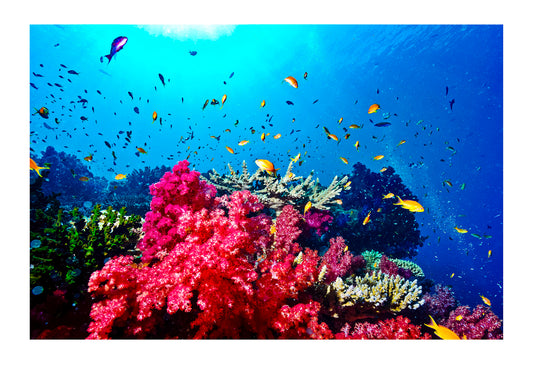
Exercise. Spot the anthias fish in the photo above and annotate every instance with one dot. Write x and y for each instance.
(117, 45)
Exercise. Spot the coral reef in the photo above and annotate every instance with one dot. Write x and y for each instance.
(275, 192)
(374, 261)
(65, 249)
(391, 230)
(440, 304)
(393, 328)
(481, 323)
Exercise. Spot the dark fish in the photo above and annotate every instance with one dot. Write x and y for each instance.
(131, 94)
(181, 99)
(33, 85)
(205, 104)
(382, 124)
(58, 85)
(37, 74)
(73, 72)
(57, 44)
(451, 104)
(193, 52)
(63, 65)
(108, 145)
(47, 126)
(315, 101)
(289, 103)
(214, 102)
(224, 82)
(117, 45)
(377, 91)
(162, 79)
(231, 75)
(83, 119)
(97, 91)
(136, 109)
(446, 90)
(160, 121)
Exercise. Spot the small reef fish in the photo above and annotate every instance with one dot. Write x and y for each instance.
(485, 300)
(266, 166)
(83, 178)
(161, 78)
(490, 253)
(305, 75)
(193, 53)
(340, 120)
(154, 116)
(448, 183)
(88, 158)
(291, 80)
(347, 185)
(214, 102)
(230, 150)
(43, 112)
(410, 205)
(400, 143)
(33, 166)
(388, 196)
(459, 317)
(263, 137)
(243, 142)
(452, 275)
(296, 158)
(459, 230)
(355, 126)
(224, 98)
(141, 150)
(205, 104)
(356, 145)
(117, 45)
(367, 218)
(333, 136)
(263, 103)
(344, 159)
(120, 176)
(373, 108)
(277, 136)
(443, 332)
(378, 157)
(289, 102)
(307, 207)
(382, 124)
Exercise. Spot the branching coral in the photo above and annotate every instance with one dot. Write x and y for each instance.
(276, 192)
(373, 261)
(379, 290)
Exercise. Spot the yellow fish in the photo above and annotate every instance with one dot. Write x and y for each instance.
(266, 166)
(452, 275)
(120, 176)
(307, 207)
(401, 142)
(388, 196)
(459, 230)
(334, 137)
(367, 218)
(356, 145)
(154, 117)
(490, 253)
(263, 103)
(263, 136)
(355, 126)
(347, 184)
(410, 205)
(340, 120)
(295, 159)
(343, 159)
(485, 300)
(378, 157)
(243, 142)
(229, 150)
(383, 170)
(459, 317)
(443, 332)
(338, 201)
(277, 136)
(33, 166)
(224, 97)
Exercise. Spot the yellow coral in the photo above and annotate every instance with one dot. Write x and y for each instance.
(379, 290)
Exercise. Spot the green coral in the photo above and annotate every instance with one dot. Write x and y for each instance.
(373, 259)
(378, 290)
(70, 246)
(277, 191)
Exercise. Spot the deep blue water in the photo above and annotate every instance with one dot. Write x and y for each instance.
(405, 69)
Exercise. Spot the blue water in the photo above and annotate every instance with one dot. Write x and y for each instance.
(410, 66)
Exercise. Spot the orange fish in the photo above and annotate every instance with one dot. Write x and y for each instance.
(88, 158)
(373, 108)
(485, 300)
(141, 150)
(266, 166)
(205, 103)
(43, 111)
(263, 136)
(459, 230)
(401, 142)
(340, 120)
(388, 196)
(410, 205)
(263, 103)
(33, 166)
(383, 170)
(367, 218)
(224, 97)
(243, 142)
(347, 136)
(154, 117)
(356, 145)
(378, 157)
(343, 159)
(277, 136)
(307, 207)
(229, 150)
(443, 332)
(355, 126)
(334, 137)
(291, 80)
(84, 179)
(120, 176)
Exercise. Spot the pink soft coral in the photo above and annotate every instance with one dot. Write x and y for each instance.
(481, 323)
(392, 328)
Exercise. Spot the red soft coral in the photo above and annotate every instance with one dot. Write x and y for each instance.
(338, 260)
(393, 328)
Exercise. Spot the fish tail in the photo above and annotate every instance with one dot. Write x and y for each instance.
(108, 58)
(400, 201)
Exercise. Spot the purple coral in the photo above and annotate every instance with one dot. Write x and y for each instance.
(439, 304)
(482, 323)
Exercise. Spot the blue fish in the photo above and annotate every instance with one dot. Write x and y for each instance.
(117, 45)
(193, 52)
(382, 124)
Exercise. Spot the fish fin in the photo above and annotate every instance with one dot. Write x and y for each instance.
(108, 58)
(433, 324)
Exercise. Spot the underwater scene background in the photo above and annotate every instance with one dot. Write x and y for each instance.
(111, 127)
